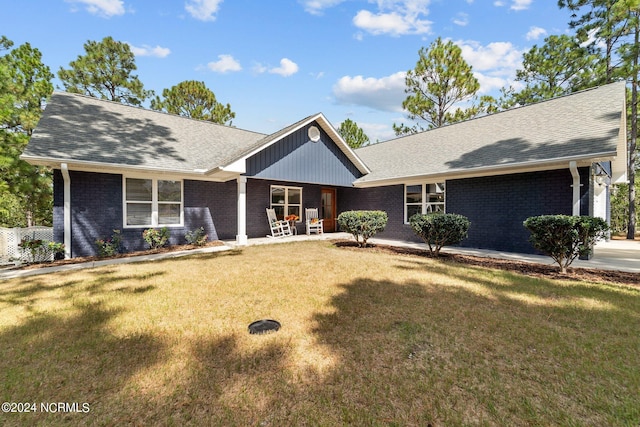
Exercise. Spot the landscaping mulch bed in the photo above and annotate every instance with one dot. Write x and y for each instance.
(526, 268)
(78, 260)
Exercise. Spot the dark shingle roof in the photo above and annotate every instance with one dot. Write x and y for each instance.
(584, 124)
(84, 129)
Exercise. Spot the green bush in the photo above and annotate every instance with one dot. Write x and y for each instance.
(38, 250)
(110, 246)
(196, 237)
(156, 237)
(620, 208)
(564, 237)
(362, 224)
(438, 229)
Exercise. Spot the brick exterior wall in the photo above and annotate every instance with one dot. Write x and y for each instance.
(212, 205)
(389, 199)
(96, 201)
(496, 206)
(259, 199)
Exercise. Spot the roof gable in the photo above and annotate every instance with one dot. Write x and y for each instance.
(89, 134)
(88, 131)
(299, 158)
(320, 120)
(584, 125)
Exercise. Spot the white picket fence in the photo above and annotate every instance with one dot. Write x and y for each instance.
(10, 238)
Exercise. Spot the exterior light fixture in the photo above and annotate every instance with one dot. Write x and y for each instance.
(600, 174)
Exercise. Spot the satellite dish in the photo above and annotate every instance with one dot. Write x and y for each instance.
(314, 134)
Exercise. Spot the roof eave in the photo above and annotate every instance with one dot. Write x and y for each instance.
(216, 174)
(522, 167)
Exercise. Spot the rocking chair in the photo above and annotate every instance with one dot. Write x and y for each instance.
(313, 222)
(279, 228)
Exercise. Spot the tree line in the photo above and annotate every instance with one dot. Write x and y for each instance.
(441, 90)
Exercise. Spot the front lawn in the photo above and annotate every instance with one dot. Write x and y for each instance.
(367, 338)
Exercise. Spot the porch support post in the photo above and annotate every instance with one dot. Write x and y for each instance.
(573, 167)
(64, 168)
(241, 237)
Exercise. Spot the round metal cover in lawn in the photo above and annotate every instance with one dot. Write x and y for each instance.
(264, 326)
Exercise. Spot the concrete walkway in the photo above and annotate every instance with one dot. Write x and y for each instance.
(620, 255)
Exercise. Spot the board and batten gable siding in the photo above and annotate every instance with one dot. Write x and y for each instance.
(295, 158)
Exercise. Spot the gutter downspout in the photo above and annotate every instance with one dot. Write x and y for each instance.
(573, 167)
(67, 210)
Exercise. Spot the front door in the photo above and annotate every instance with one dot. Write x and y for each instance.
(328, 209)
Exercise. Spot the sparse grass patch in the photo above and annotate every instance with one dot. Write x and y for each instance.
(367, 338)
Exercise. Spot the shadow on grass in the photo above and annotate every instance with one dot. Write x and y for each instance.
(414, 352)
(71, 357)
(506, 285)
(450, 355)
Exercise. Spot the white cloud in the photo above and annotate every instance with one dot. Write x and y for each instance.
(494, 65)
(495, 55)
(287, 68)
(104, 8)
(384, 94)
(145, 50)
(395, 17)
(520, 4)
(498, 3)
(535, 33)
(258, 68)
(461, 19)
(377, 131)
(203, 10)
(315, 7)
(225, 64)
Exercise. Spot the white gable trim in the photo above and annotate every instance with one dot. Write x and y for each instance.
(239, 164)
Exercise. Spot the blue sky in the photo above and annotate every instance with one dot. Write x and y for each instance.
(278, 61)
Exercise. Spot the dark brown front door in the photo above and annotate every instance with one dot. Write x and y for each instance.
(328, 211)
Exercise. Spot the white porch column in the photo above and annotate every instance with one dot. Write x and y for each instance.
(241, 237)
(67, 210)
(573, 167)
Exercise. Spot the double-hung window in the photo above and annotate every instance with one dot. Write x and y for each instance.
(152, 202)
(286, 201)
(423, 199)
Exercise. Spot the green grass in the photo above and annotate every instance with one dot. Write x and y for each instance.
(367, 338)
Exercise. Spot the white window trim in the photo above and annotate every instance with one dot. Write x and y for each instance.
(424, 204)
(154, 202)
(286, 199)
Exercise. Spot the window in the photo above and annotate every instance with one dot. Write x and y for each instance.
(423, 199)
(152, 202)
(286, 201)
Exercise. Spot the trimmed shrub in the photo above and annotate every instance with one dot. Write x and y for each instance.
(110, 246)
(156, 237)
(196, 237)
(564, 237)
(362, 224)
(438, 229)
